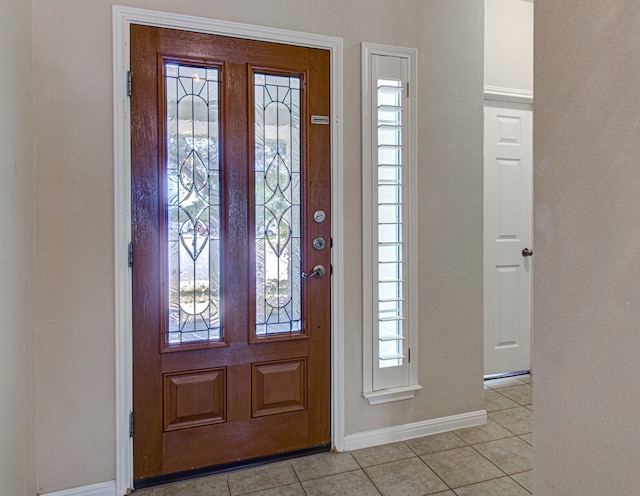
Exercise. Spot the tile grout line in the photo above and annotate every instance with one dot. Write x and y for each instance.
(299, 480)
(496, 466)
(508, 475)
(416, 455)
(304, 491)
(480, 482)
(514, 480)
(419, 457)
(436, 473)
(504, 473)
(467, 444)
(509, 430)
(370, 480)
(365, 472)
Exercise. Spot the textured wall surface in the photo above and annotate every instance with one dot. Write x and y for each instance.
(17, 245)
(587, 245)
(508, 49)
(74, 160)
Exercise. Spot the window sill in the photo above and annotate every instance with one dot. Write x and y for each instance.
(392, 394)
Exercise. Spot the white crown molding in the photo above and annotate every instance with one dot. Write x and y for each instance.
(496, 93)
(102, 489)
(403, 432)
(123, 17)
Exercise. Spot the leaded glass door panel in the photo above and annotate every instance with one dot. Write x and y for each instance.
(231, 327)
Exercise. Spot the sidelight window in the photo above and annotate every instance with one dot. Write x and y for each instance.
(389, 216)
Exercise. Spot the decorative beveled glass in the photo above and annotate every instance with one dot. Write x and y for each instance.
(193, 203)
(277, 204)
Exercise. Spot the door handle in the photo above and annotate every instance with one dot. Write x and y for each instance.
(318, 271)
(526, 252)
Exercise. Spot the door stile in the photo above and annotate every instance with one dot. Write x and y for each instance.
(236, 191)
(144, 184)
(319, 155)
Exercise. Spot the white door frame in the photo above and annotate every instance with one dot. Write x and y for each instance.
(123, 17)
(497, 96)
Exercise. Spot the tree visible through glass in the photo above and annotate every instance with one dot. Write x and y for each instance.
(277, 204)
(193, 203)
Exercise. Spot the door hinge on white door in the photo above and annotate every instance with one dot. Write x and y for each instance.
(409, 355)
(129, 83)
(130, 255)
(131, 424)
(407, 89)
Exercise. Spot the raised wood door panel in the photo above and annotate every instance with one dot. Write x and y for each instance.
(507, 232)
(244, 391)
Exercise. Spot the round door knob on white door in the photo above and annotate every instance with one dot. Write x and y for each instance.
(527, 252)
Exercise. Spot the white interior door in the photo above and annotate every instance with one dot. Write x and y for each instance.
(507, 237)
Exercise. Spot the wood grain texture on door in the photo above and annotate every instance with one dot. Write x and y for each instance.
(231, 345)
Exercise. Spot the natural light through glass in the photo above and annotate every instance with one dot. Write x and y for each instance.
(193, 203)
(390, 223)
(277, 204)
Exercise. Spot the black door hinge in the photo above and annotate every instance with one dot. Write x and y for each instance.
(130, 424)
(129, 83)
(130, 255)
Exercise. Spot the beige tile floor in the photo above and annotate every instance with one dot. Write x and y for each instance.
(489, 460)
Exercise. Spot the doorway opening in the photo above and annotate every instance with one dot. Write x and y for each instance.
(123, 18)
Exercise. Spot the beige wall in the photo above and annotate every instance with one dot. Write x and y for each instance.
(17, 243)
(508, 48)
(74, 191)
(73, 138)
(587, 232)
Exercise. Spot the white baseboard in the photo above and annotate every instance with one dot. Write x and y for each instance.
(102, 489)
(355, 441)
(397, 433)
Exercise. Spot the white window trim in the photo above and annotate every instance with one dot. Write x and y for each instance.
(370, 237)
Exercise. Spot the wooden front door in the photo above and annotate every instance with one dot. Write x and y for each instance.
(230, 216)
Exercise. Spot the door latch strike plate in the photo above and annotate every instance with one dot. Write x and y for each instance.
(320, 119)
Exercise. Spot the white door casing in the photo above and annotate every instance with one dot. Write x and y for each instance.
(507, 232)
(122, 19)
